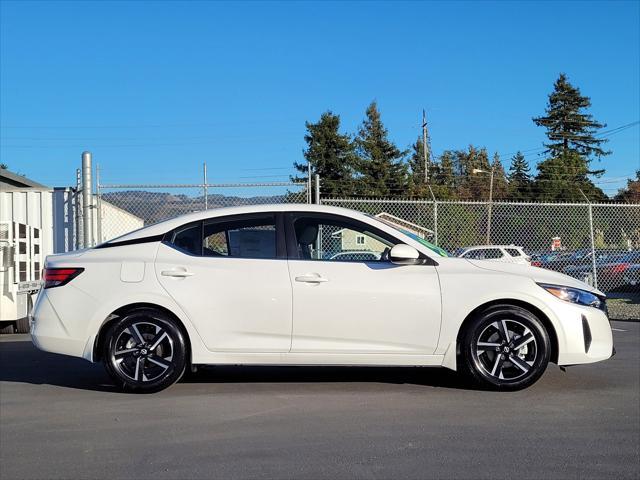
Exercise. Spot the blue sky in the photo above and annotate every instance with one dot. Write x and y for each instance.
(153, 89)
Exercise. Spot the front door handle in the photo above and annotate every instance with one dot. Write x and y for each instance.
(176, 273)
(311, 278)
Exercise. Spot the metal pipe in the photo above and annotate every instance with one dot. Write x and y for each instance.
(87, 221)
(317, 178)
(593, 241)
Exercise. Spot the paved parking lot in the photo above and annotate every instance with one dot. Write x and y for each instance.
(62, 418)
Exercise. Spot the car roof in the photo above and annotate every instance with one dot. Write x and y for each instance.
(478, 247)
(165, 226)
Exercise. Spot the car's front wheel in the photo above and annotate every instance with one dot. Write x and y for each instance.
(145, 351)
(505, 348)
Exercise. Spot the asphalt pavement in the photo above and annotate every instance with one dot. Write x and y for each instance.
(63, 418)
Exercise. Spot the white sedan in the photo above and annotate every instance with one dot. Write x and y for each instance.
(253, 286)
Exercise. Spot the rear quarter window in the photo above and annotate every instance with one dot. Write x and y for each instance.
(513, 252)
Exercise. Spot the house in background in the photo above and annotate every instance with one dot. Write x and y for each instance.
(346, 240)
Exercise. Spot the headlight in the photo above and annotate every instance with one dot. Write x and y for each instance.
(575, 295)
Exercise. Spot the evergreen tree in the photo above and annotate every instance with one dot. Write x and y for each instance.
(382, 172)
(331, 155)
(500, 183)
(472, 170)
(445, 177)
(519, 178)
(416, 180)
(631, 193)
(572, 143)
(565, 178)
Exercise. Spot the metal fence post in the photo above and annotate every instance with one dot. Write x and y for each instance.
(593, 241)
(204, 185)
(317, 179)
(98, 206)
(435, 216)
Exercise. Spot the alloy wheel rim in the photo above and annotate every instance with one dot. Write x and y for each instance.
(143, 351)
(506, 350)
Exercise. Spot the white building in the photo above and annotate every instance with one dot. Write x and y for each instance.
(36, 221)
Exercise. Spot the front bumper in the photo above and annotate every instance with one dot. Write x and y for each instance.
(584, 334)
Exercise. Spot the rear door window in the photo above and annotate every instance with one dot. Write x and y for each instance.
(492, 253)
(513, 252)
(188, 238)
(243, 238)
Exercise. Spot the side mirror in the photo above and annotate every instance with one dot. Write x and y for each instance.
(403, 254)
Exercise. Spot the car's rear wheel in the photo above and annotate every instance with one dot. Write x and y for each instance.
(505, 348)
(145, 351)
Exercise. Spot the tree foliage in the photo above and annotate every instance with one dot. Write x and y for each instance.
(379, 162)
(370, 164)
(519, 178)
(572, 144)
(330, 154)
(631, 193)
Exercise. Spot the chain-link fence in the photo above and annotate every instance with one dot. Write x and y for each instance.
(597, 243)
(123, 208)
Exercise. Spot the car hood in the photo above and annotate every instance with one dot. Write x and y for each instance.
(538, 275)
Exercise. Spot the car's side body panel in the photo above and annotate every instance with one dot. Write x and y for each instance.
(245, 312)
(365, 307)
(236, 304)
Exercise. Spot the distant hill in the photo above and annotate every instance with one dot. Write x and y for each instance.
(153, 207)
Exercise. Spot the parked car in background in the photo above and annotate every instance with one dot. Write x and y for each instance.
(610, 268)
(251, 285)
(631, 277)
(498, 253)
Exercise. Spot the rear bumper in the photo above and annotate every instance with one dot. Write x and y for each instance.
(48, 332)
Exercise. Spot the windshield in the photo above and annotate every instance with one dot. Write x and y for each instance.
(434, 248)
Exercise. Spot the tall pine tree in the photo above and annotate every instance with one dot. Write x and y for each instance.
(631, 193)
(331, 155)
(380, 167)
(417, 185)
(572, 144)
(519, 178)
(500, 184)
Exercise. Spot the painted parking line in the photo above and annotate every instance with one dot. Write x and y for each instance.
(618, 330)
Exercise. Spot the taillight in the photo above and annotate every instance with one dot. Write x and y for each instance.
(56, 277)
(621, 267)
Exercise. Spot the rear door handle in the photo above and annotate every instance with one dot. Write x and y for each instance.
(311, 278)
(176, 273)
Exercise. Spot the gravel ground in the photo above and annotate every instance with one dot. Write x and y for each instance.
(624, 306)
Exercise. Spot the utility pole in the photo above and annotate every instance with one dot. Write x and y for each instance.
(425, 149)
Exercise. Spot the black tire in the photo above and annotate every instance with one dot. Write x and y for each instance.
(499, 358)
(145, 351)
